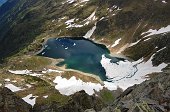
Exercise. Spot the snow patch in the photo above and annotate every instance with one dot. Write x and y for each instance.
(12, 87)
(151, 32)
(101, 18)
(163, 1)
(116, 42)
(14, 81)
(7, 80)
(132, 44)
(161, 49)
(110, 86)
(129, 73)
(119, 70)
(35, 74)
(30, 99)
(28, 85)
(70, 24)
(91, 18)
(51, 70)
(80, 1)
(29, 72)
(72, 85)
(20, 72)
(45, 96)
(70, 1)
(147, 39)
(24, 72)
(90, 32)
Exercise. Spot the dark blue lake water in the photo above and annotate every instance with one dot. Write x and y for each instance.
(2, 2)
(79, 54)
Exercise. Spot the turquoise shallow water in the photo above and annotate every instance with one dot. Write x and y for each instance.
(79, 54)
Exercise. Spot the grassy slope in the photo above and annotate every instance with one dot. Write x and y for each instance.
(38, 20)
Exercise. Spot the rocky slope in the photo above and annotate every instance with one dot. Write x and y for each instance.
(12, 103)
(79, 102)
(136, 29)
(151, 96)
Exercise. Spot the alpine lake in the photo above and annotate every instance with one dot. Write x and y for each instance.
(79, 54)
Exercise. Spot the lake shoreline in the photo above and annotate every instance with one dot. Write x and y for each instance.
(63, 68)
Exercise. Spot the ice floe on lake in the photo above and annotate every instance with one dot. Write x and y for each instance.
(119, 70)
(126, 74)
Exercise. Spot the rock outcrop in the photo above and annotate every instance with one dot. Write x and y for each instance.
(152, 96)
(78, 102)
(9, 102)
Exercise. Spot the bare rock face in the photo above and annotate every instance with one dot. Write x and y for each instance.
(79, 102)
(9, 102)
(152, 95)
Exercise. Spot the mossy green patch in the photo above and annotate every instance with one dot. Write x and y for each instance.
(41, 91)
(107, 96)
(36, 80)
(28, 62)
